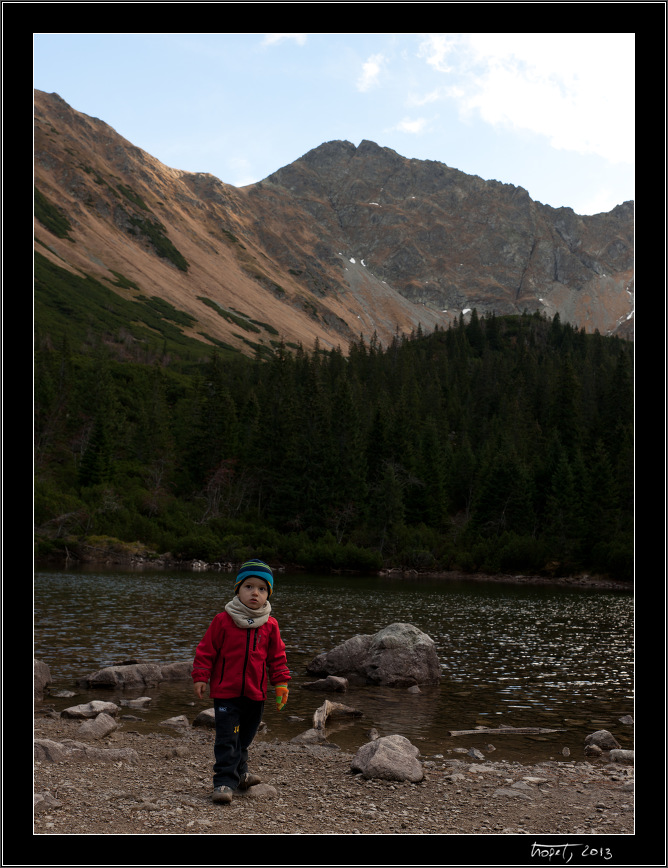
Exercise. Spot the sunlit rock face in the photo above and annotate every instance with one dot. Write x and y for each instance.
(345, 241)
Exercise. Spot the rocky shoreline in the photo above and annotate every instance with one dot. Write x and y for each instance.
(126, 557)
(160, 783)
(105, 777)
(97, 773)
(584, 580)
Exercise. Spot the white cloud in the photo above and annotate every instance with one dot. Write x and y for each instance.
(435, 49)
(576, 89)
(407, 125)
(275, 38)
(371, 70)
(435, 95)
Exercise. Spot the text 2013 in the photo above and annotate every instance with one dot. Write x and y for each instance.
(564, 852)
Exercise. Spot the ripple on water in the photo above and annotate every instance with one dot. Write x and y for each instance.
(511, 655)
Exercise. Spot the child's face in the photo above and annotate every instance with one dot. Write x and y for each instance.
(253, 592)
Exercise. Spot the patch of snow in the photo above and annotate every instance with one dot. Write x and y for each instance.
(374, 203)
(352, 260)
(362, 261)
(467, 310)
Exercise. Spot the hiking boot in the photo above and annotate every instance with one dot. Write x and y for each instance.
(248, 780)
(222, 794)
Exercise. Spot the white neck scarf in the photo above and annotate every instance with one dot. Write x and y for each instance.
(247, 618)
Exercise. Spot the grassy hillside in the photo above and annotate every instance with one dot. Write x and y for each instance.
(84, 310)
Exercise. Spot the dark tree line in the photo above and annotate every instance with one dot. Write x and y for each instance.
(502, 443)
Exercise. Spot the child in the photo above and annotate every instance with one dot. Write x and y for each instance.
(241, 647)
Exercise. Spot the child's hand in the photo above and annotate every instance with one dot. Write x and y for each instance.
(199, 689)
(281, 695)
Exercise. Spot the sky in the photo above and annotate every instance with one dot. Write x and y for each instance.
(551, 112)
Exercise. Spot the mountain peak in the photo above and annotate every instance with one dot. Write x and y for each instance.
(346, 240)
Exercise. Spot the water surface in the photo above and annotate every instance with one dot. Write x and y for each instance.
(510, 655)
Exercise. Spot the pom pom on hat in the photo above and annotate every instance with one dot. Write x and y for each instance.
(258, 569)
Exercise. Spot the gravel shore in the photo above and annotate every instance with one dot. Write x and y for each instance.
(310, 790)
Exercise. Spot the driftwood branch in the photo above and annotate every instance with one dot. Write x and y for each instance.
(510, 730)
(332, 709)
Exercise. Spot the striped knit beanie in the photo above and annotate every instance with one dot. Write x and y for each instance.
(258, 569)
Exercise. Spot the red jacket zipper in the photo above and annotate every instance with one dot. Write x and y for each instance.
(243, 674)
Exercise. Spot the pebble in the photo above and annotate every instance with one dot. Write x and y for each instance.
(312, 791)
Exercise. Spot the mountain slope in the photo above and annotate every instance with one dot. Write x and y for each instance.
(453, 241)
(342, 242)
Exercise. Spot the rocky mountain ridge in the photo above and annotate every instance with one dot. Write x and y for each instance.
(344, 241)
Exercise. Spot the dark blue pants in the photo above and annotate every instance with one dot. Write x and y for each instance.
(237, 721)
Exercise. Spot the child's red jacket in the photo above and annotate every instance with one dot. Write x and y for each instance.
(236, 661)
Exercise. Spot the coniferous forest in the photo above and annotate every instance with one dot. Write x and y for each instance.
(500, 444)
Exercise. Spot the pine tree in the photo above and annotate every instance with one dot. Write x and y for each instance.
(563, 525)
(460, 483)
(474, 333)
(387, 506)
(565, 408)
(601, 511)
(429, 501)
(348, 486)
(96, 464)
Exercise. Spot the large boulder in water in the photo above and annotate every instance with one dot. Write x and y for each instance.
(137, 674)
(399, 655)
(603, 739)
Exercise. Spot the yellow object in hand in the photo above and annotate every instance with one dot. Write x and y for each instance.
(281, 695)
